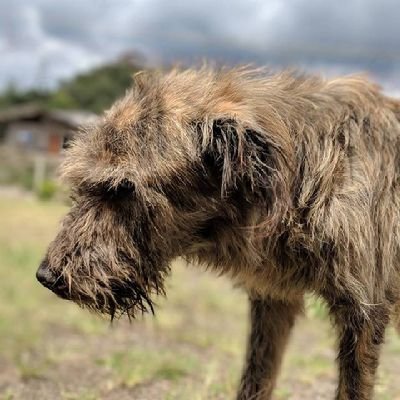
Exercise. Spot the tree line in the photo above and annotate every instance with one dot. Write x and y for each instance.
(94, 90)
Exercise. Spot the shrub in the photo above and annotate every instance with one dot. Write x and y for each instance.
(47, 190)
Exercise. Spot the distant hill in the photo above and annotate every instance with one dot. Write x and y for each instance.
(94, 90)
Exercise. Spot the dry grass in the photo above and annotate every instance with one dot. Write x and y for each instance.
(192, 349)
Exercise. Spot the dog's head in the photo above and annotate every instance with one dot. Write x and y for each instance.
(179, 163)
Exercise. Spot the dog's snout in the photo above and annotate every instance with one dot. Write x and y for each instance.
(45, 276)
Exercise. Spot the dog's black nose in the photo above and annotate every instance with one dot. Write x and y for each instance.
(45, 276)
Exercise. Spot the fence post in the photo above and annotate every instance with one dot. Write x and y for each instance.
(39, 171)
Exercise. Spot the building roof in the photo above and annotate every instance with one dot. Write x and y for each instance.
(71, 118)
(74, 118)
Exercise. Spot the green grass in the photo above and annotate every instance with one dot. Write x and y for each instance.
(144, 365)
(192, 349)
(7, 395)
(82, 395)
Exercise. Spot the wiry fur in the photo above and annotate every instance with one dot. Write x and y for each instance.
(288, 184)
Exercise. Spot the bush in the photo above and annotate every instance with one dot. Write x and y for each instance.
(47, 190)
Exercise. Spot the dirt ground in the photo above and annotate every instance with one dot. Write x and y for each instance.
(192, 349)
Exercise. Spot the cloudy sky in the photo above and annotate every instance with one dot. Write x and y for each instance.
(43, 41)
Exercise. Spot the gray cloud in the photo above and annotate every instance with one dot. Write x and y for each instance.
(45, 40)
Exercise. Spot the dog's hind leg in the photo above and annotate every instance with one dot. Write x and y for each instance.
(271, 323)
(396, 317)
(361, 333)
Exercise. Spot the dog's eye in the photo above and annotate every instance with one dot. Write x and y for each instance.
(125, 188)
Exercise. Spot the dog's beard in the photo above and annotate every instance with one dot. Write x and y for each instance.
(114, 299)
(129, 299)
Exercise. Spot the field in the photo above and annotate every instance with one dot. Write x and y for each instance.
(192, 349)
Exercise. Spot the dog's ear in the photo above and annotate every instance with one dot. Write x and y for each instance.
(246, 159)
(236, 154)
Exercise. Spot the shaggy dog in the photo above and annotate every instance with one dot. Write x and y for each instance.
(288, 184)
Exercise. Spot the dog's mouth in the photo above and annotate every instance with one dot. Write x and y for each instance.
(121, 301)
(62, 292)
(114, 297)
(115, 301)
(52, 282)
(60, 289)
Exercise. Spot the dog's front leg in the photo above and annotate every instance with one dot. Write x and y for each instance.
(271, 323)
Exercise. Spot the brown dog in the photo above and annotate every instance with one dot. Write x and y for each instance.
(288, 184)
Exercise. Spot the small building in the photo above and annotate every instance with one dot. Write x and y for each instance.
(37, 130)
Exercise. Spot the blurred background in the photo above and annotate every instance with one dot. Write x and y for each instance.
(62, 63)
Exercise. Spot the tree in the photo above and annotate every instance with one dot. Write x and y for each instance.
(94, 90)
